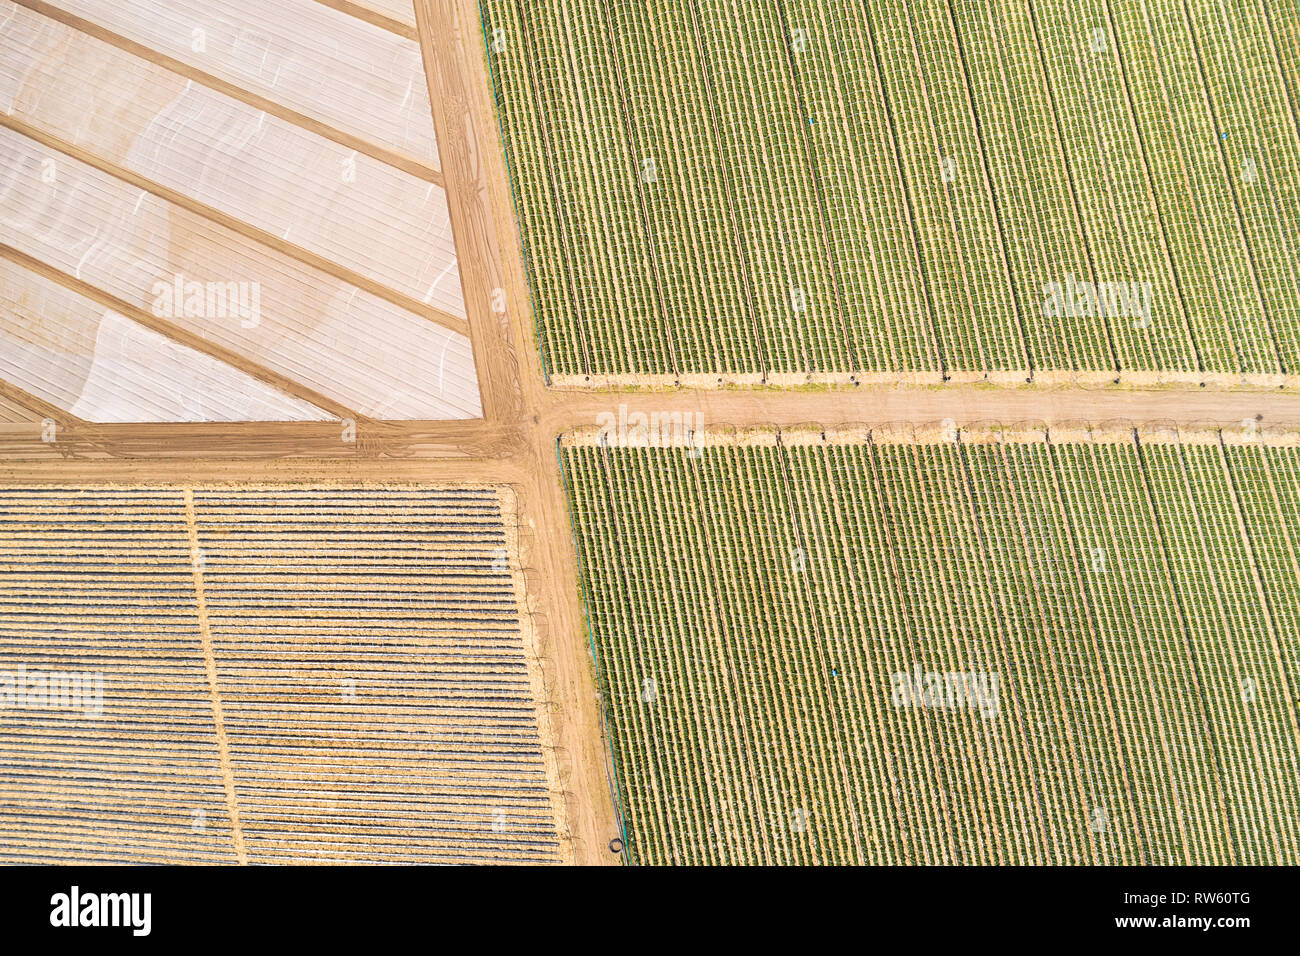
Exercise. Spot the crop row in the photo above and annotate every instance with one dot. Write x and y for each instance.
(294, 674)
(790, 186)
(1122, 617)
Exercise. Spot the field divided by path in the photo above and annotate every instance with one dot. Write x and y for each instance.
(976, 651)
(766, 190)
(292, 675)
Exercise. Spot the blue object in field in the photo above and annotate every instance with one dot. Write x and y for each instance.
(1225, 135)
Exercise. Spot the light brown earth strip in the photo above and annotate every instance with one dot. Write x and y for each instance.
(560, 799)
(373, 17)
(487, 247)
(460, 123)
(210, 663)
(20, 400)
(12, 409)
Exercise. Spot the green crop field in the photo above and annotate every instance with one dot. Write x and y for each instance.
(868, 650)
(771, 190)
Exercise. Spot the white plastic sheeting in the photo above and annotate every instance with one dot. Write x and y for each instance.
(100, 366)
(335, 68)
(338, 340)
(346, 207)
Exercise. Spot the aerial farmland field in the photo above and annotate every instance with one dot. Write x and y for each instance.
(301, 674)
(647, 432)
(231, 239)
(780, 191)
(873, 649)
(258, 184)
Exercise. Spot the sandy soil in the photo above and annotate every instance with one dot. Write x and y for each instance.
(475, 177)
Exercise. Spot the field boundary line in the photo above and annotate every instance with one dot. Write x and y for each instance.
(559, 210)
(511, 179)
(36, 405)
(374, 17)
(461, 112)
(1086, 433)
(210, 665)
(507, 501)
(1047, 380)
